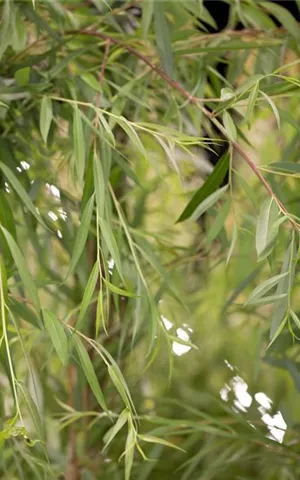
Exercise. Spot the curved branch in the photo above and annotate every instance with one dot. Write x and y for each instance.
(196, 101)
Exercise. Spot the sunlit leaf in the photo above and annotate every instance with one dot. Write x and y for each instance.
(46, 116)
(265, 234)
(229, 126)
(161, 441)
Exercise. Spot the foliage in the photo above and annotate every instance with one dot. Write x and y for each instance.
(119, 253)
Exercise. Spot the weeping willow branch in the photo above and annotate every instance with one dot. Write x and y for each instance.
(196, 101)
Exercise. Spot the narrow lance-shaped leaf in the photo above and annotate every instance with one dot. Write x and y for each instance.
(119, 291)
(88, 293)
(32, 410)
(289, 168)
(46, 116)
(22, 269)
(295, 318)
(99, 313)
(99, 184)
(284, 17)
(113, 431)
(264, 287)
(148, 8)
(208, 203)
(273, 107)
(82, 234)
(232, 243)
(264, 233)
(21, 192)
(161, 441)
(162, 36)
(118, 383)
(229, 126)
(219, 222)
(211, 185)
(129, 451)
(267, 300)
(79, 144)
(132, 135)
(284, 287)
(251, 102)
(89, 372)
(111, 244)
(57, 334)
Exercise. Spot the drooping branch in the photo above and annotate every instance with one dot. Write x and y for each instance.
(194, 100)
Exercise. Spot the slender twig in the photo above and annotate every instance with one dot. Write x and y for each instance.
(195, 100)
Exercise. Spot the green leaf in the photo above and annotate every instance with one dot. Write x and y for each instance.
(267, 300)
(208, 203)
(99, 184)
(129, 451)
(22, 269)
(119, 382)
(99, 313)
(295, 318)
(32, 410)
(21, 192)
(273, 107)
(147, 14)
(57, 334)
(88, 293)
(229, 126)
(232, 243)
(132, 135)
(278, 331)
(114, 430)
(162, 36)
(111, 244)
(284, 287)
(265, 234)
(22, 76)
(82, 234)
(89, 372)
(161, 441)
(7, 221)
(284, 17)
(27, 314)
(257, 17)
(91, 81)
(46, 116)
(264, 287)
(212, 183)
(79, 144)
(285, 167)
(251, 102)
(119, 291)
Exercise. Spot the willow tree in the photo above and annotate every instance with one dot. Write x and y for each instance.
(122, 248)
